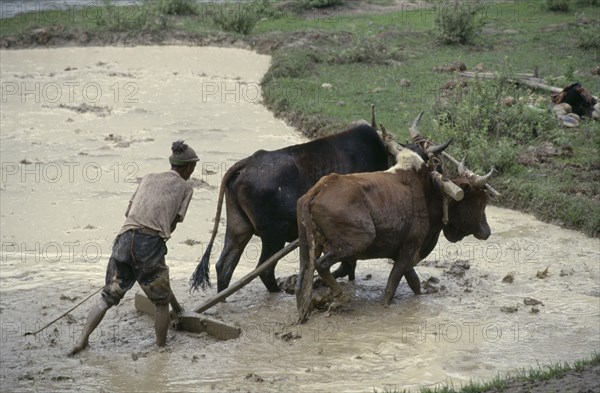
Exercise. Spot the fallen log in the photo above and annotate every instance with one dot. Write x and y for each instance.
(219, 297)
(532, 82)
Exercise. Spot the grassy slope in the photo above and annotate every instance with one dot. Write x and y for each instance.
(562, 191)
(365, 58)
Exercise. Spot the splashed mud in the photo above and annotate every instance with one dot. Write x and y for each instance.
(66, 180)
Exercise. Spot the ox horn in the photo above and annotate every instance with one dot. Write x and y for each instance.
(373, 124)
(437, 149)
(384, 132)
(415, 134)
(390, 141)
(481, 181)
(462, 169)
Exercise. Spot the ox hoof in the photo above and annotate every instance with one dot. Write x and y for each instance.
(319, 283)
(330, 302)
(288, 284)
(338, 303)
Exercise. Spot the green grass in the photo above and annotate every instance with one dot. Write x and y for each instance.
(368, 58)
(516, 38)
(500, 383)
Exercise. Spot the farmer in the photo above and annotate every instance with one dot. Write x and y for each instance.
(159, 203)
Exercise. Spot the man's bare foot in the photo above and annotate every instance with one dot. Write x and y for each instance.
(78, 348)
(175, 319)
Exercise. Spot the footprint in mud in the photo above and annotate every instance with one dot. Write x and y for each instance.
(288, 284)
(509, 309)
(329, 302)
(431, 285)
(509, 278)
(458, 268)
(98, 110)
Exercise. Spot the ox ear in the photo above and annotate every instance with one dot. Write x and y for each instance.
(466, 186)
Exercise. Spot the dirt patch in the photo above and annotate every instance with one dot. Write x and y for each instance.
(545, 152)
(454, 67)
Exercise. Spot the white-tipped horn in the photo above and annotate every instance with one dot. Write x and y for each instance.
(481, 181)
(414, 128)
(462, 169)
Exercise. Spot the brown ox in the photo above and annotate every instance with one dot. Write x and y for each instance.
(397, 214)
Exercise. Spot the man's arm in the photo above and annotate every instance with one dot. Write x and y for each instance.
(178, 218)
(128, 207)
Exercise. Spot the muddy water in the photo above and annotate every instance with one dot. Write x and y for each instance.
(68, 170)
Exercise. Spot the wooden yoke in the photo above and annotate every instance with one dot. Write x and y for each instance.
(449, 188)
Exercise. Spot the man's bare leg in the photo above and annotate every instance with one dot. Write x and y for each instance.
(175, 304)
(161, 323)
(94, 318)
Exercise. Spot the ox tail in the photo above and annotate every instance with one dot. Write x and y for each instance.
(304, 285)
(201, 278)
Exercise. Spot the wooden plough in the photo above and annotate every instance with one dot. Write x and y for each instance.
(193, 321)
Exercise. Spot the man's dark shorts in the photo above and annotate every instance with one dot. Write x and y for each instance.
(137, 256)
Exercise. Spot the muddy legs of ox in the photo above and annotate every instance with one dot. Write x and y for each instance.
(323, 265)
(413, 280)
(346, 268)
(399, 269)
(269, 247)
(235, 242)
(304, 284)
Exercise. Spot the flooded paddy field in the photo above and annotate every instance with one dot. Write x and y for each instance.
(80, 126)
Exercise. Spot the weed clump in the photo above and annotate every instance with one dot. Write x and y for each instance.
(557, 5)
(589, 37)
(492, 120)
(175, 7)
(458, 23)
(242, 17)
(307, 4)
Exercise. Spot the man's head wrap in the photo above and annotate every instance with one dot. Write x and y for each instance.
(182, 154)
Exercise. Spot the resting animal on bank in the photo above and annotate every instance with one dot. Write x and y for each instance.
(396, 214)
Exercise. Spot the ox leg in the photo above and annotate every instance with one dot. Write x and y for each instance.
(230, 257)
(323, 266)
(346, 268)
(268, 277)
(401, 266)
(413, 280)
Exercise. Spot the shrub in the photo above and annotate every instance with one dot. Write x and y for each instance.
(307, 4)
(557, 5)
(458, 23)
(242, 17)
(175, 7)
(292, 64)
(492, 132)
(589, 38)
(117, 18)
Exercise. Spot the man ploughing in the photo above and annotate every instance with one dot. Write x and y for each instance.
(159, 203)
